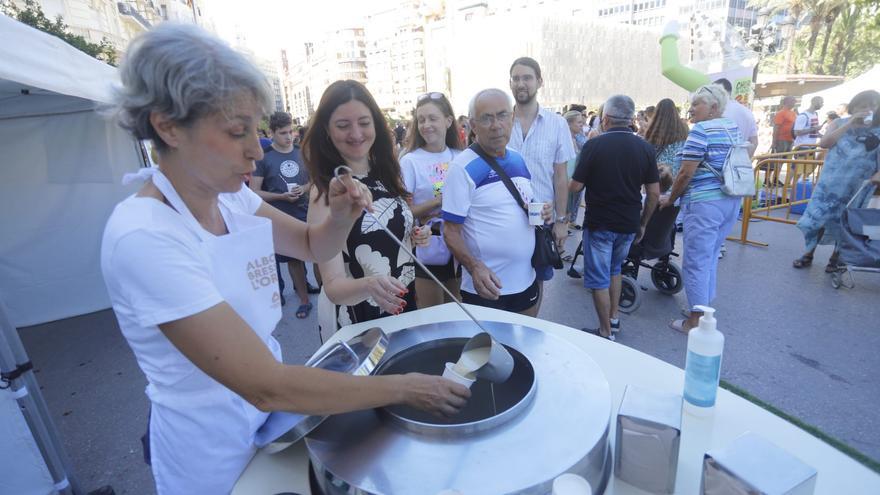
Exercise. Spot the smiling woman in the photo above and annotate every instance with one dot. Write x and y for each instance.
(434, 142)
(372, 277)
(189, 266)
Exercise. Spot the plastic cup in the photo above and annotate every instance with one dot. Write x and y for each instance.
(291, 186)
(535, 210)
(450, 374)
(571, 484)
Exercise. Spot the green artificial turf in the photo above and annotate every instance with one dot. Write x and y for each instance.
(816, 432)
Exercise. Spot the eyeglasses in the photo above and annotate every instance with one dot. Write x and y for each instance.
(871, 141)
(490, 119)
(526, 78)
(432, 95)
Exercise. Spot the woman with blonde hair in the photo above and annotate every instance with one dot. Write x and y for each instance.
(708, 213)
(434, 140)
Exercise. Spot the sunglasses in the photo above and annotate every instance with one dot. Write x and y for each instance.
(432, 95)
(871, 141)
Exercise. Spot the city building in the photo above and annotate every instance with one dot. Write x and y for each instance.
(472, 47)
(121, 21)
(337, 54)
(395, 40)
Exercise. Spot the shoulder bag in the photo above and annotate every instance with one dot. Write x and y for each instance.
(545, 253)
(737, 177)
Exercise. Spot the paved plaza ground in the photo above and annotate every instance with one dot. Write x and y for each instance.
(791, 340)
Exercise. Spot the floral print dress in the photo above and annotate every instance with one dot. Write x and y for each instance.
(369, 251)
(847, 164)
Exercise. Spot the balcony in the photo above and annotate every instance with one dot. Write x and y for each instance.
(130, 14)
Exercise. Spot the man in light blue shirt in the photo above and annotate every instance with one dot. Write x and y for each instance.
(543, 139)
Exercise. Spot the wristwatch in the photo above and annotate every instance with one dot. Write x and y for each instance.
(562, 219)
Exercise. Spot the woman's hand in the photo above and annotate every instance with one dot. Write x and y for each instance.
(421, 235)
(387, 292)
(348, 198)
(876, 179)
(434, 394)
(665, 201)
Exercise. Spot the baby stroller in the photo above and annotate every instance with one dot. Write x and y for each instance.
(656, 244)
(860, 238)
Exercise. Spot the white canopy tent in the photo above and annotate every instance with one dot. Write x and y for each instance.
(843, 93)
(62, 165)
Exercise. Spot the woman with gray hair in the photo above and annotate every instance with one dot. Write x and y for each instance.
(189, 266)
(708, 213)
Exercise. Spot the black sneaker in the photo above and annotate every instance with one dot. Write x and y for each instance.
(595, 331)
(615, 326)
(311, 289)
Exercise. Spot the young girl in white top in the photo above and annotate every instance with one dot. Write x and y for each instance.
(433, 143)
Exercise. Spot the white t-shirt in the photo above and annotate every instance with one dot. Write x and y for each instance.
(424, 172)
(803, 121)
(496, 230)
(157, 271)
(743, 118)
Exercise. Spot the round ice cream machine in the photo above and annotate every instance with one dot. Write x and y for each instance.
(551, 417)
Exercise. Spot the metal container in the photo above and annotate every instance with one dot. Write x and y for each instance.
(551, 417)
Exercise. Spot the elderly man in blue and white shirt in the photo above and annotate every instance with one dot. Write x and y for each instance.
(484, 226)
(543, 139)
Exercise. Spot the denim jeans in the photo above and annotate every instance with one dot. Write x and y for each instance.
(604, 252)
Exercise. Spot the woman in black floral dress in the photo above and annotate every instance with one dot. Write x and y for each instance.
(373, 276)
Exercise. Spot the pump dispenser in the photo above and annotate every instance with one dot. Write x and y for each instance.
(702, 368)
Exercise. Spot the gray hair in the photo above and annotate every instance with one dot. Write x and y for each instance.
(619, 109)
(184, 72)
(472, 108)
(712, 94)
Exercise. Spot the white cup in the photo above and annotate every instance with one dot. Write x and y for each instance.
(571, 484)
(535, 217)
(450, 374)
(291, 186)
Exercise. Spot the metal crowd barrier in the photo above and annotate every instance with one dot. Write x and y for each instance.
(782, 181)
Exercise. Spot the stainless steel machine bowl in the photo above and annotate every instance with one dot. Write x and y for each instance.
(551, 417)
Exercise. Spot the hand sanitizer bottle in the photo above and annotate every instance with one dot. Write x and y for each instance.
(702, 369)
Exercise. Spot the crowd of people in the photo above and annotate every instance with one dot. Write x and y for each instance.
(192, 260)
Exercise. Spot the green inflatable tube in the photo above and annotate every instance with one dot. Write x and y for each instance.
(672, 69)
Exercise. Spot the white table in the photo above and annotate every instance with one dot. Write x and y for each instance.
(838, 474)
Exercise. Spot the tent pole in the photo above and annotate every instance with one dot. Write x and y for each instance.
(25, 388)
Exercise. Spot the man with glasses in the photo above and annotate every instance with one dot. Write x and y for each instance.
(544, 140)
(484, 226)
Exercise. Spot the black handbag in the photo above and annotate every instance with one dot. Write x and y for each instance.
(545, 253)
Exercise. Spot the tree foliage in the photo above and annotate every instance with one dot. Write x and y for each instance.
(32, 15)
(834, 37)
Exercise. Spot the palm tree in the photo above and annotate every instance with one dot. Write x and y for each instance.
(795, 9)
(834, 7)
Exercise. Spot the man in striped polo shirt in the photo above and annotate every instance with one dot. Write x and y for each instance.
(543, 139)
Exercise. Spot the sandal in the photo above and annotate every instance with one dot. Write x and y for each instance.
(303, 311)
(803, 262)
(678, 326)
(833, 264)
